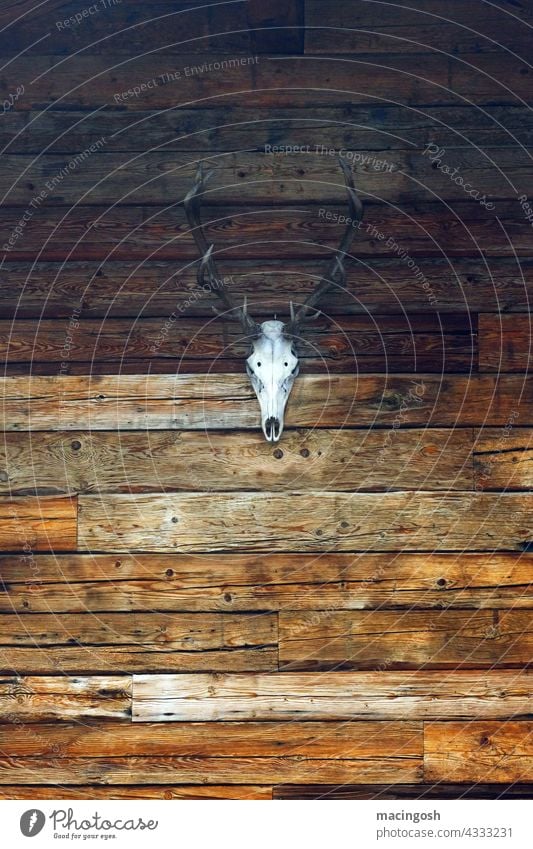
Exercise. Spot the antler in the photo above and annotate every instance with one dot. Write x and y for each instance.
(336, 272)
(207, 265)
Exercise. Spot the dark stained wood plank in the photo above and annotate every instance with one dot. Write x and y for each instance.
(503, 458)
(126, 27)
(159, 239)
(479, 751)
(276, 26)
(290, 696)
(169, 461)
(252, 178)
(126, 642)
(354, 27)
(352, 127)
(226, 401)
(262, 82)
(38, 524)
(231, 583)
(296, 521)
(141, 791)
(420, 343)
(58, 699)
(505, 343)
(385, 792)
(395, 640)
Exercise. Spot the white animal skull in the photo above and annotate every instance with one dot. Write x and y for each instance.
(273, 362)
(272, 367)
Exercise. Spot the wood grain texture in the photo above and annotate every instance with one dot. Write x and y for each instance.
(311, 521)
(378, 640)
(253, 178)
(352, 127)
(195, 402)
(91, 81)
(220, 753)
(119, 237)
(479, 751)
(141, 791)
(503, 458)
(357, 28)
(76, 583)
(505, 343)
(38, 524)
(115, 642)
(166, 461)
(422, 343)
(337, 695)
(60, 698)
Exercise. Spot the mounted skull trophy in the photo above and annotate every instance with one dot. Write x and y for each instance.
(273, 362)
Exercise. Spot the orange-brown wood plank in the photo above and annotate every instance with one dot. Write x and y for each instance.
(167, 461)
(62, 698)
(304, 521)
(503, 457)
(292, 696)
(126, 642)
(254, 582)
(38, 524)
(505, 342)
(140, 791)
(377, 640)
(491, 752)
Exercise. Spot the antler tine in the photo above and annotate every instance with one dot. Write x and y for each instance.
(336, 272)
(207, 264)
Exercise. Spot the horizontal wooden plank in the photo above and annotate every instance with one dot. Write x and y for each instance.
(217, 770)
(503, 458)
(119, 237)
(332, 740)
(142, 791)
(393, 343)
(456, 27)
(60, 698)
(253, 178)
(383, 792)
(166, 461)
(332, 696)
(90, 81)
(396, 640)
(297, 521)
(505, 342)
(38, 524)
(225, 128)
(479, 751)
(165, 402)
(233, 582)
(127, 642)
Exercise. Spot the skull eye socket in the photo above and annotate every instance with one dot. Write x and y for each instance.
(258, 365)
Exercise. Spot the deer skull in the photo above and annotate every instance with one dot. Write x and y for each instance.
(272, 367)
(273, 362)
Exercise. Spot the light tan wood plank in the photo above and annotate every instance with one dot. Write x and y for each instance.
(173, 582)
(298, 521)
(148, 461)
(38, 524)
(333, 695)
(505, 342)
(60, 698)
(405, 639)
(163, 402)
(124, 642)
(503, 458)
(479, 751)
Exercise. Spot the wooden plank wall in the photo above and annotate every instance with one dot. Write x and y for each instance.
(185, 610)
